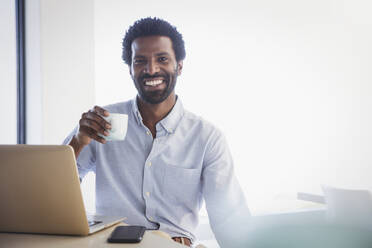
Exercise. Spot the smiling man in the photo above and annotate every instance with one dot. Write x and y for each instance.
(170, 159)
(154, 83)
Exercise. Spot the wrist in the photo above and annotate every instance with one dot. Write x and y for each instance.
(76, 144)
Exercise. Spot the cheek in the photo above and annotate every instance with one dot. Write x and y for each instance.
(135, 73)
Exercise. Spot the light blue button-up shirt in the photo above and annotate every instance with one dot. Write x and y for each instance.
(161, 182)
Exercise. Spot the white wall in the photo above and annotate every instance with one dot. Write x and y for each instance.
(61, 67)
(289, 83)
(8, 73)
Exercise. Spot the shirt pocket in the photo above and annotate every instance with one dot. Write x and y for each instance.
(182, 185)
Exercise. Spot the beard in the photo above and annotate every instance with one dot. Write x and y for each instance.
(155, 96)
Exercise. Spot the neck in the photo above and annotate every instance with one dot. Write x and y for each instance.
(153, 113)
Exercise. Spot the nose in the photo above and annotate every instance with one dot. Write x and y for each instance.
(151, 68)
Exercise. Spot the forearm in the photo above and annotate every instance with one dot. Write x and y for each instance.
(76, 146)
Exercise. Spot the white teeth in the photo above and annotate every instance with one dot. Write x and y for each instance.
(153, 83)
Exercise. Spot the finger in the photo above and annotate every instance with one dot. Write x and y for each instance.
(93, 125)
(101, 111)
(92, 134)
(97, 118)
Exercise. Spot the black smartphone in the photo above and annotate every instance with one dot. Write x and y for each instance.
(127, 234)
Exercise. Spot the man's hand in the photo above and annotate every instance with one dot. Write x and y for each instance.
(91, 125)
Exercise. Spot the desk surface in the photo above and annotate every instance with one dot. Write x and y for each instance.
(99, 239)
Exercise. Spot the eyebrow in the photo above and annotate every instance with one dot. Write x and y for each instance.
(139, 56)
(158, 54)
(162, 53)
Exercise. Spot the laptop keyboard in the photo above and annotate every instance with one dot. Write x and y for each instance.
(93, 222)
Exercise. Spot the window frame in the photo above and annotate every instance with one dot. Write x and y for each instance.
(21, 71)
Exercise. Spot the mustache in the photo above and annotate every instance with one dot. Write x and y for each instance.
(148, 76)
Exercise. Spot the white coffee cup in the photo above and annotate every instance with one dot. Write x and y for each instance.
(119, 125)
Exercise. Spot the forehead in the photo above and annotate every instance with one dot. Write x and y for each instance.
(149, 45)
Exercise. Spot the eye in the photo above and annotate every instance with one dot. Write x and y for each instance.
(138, 61)
(163, 59)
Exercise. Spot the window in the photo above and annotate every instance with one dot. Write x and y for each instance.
(8, 75)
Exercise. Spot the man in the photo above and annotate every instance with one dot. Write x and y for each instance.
(170, 159)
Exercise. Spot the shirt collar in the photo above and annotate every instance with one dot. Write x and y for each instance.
(170, 122)
(136, 112)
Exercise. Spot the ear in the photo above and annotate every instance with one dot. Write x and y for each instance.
(180, 66)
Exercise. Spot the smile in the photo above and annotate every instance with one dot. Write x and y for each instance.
(153, 82)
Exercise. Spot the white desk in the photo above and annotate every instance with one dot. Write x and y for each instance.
(311, 197)
(99, 239)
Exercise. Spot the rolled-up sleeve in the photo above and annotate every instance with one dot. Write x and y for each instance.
(225, 201)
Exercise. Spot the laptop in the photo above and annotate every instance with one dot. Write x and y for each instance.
(40, 192)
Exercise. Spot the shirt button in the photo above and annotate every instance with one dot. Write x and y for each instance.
(150, 218)
(149, 163)
(148, 194)
(148, 133)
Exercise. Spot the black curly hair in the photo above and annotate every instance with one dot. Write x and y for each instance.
(148, 27)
